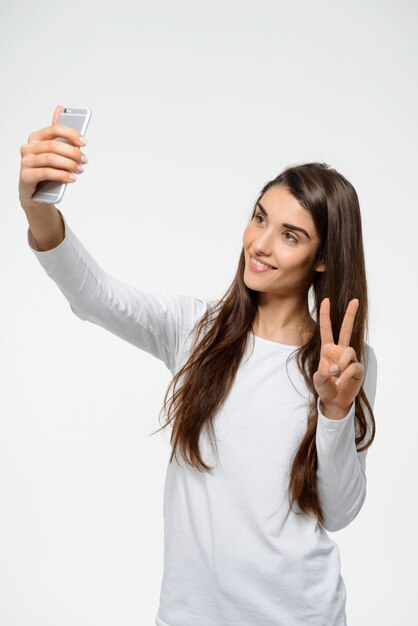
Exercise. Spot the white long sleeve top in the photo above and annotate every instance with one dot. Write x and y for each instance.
(235, 554)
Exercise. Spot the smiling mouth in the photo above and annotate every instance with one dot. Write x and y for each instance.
(257, 266)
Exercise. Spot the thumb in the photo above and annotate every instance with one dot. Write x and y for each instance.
(57, 113)
(324, 385)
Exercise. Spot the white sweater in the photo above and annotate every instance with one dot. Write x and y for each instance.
(235, 554)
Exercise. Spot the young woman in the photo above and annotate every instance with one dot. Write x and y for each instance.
(272, 396)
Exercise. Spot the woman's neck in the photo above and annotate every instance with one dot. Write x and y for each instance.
(294, 333)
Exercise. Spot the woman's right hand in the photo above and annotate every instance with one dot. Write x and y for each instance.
(45, 158)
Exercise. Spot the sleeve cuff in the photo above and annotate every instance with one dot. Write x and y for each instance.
(335, 423)
(46, 253)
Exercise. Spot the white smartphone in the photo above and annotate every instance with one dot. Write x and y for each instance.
(52, 191)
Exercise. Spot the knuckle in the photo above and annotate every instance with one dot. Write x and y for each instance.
(24, 176)
(51, 145)
(27, 176)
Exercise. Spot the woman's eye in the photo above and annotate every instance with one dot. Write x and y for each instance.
(293, 237)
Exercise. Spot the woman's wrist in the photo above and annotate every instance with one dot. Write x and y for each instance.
(333, 412)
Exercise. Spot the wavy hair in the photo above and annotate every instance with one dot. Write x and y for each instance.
(223, 331)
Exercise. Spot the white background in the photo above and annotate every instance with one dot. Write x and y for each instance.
(195, 107)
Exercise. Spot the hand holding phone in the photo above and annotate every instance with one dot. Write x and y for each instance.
(52, 156)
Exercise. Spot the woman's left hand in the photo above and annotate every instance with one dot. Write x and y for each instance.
(337, 390)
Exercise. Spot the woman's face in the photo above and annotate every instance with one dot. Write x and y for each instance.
(272, 238)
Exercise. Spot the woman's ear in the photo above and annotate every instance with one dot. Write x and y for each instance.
(320, 267)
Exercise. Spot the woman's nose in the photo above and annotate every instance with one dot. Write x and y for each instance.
(264, 244)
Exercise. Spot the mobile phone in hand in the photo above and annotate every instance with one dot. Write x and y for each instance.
(52, 191)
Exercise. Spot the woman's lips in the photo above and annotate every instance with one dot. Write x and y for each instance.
(257, 268)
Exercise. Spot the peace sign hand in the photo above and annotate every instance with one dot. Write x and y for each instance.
(338, 389)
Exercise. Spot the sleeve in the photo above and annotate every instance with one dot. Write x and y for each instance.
(341, 470)
(152, 321)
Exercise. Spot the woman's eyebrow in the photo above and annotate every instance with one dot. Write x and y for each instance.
(302, 230)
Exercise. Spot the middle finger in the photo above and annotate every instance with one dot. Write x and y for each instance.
(348, 323)
(49, 159)
(58, 147)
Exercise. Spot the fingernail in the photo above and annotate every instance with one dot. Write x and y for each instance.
(84, 159)
(334, 368)
(82, 140)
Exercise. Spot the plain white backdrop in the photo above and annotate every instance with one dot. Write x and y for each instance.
(195, 107)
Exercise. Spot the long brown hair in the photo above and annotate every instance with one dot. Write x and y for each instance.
(223, 331)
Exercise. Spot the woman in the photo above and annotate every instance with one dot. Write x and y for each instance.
(272, 394)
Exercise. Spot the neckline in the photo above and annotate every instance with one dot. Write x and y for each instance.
(274, 343)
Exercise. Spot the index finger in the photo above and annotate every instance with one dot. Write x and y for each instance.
(325, 326)
(57, 130)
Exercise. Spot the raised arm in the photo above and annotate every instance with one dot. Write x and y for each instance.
(152, 321)
(155, 322)
(341, 472)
